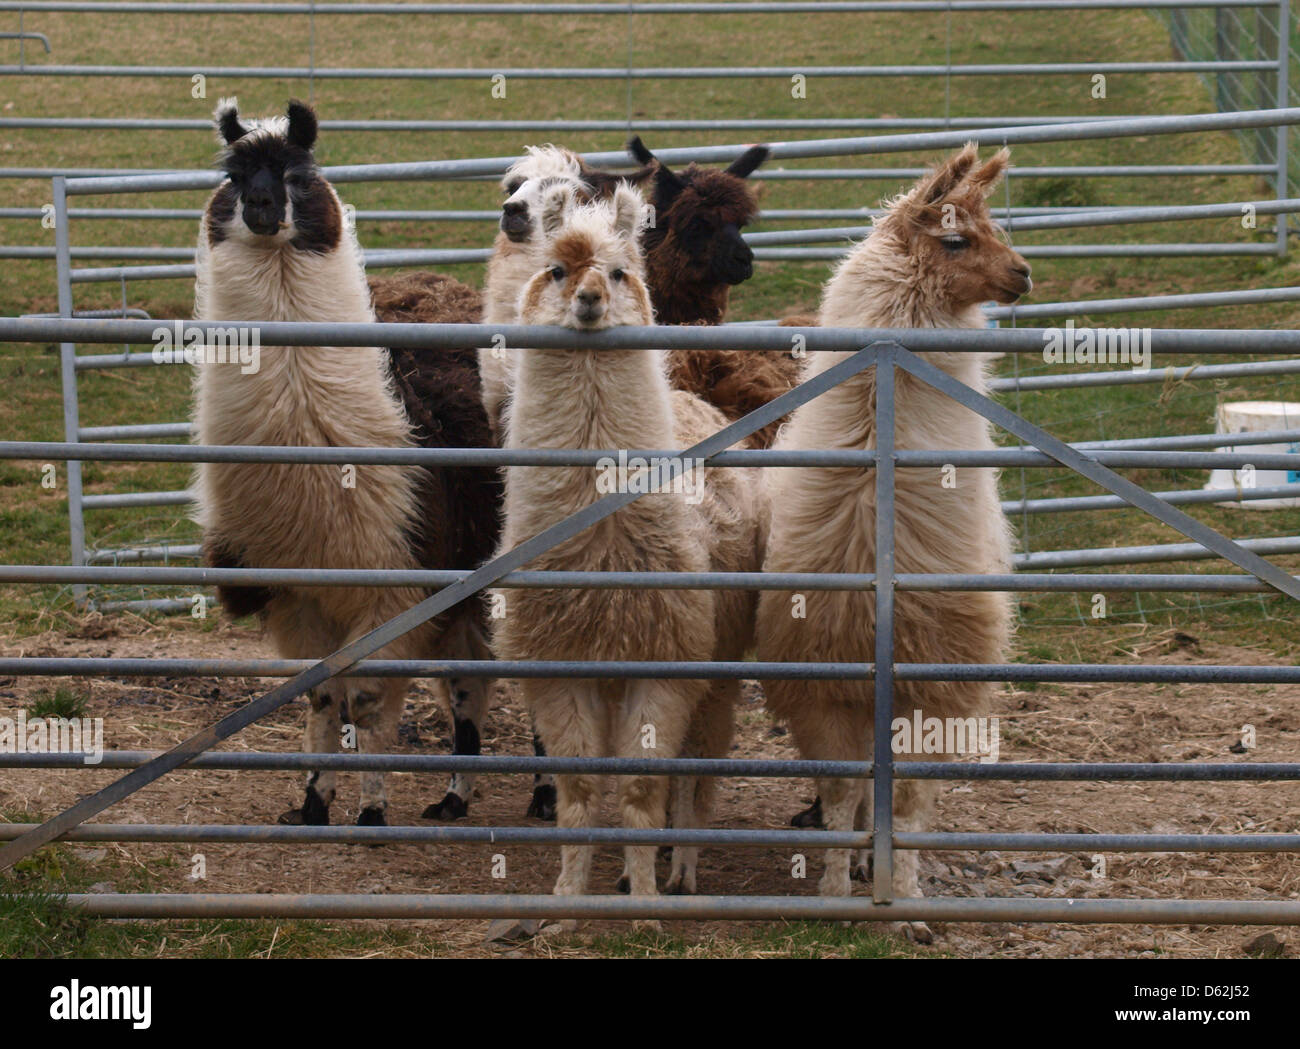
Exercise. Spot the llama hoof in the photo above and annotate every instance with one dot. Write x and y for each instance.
(452, 807)
(542, 806)
(372, 816)
(647, 925)
(681, 886)
(862, 872)
(623, 885)
(314, 812)
(810, 817)
(558, 927)
(915, 932)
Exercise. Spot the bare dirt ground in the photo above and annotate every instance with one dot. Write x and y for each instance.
(1067, 722)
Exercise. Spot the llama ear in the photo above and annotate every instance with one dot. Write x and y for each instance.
(668, 185)
(226, 121)
(302, 125)
(556, 203)
(749, 161)
(639, 153)
(947, 176)
(986, 178)
(629, 213)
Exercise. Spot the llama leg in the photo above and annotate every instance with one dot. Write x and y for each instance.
(321, 737)
(651, 722)
(862, 820)
(840, 798)
(914, 808)
(376, 707)
(692, 797)
(571, 720)
(542, 806)
(469, 705)
(470, 698)
(829, 731)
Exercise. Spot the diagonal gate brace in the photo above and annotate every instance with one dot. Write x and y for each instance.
(370, 643)
(1084, 464)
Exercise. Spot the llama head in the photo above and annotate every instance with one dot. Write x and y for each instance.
(590, 273)
(543, 167)
(950, 234)
(698, 216)
(273, 191)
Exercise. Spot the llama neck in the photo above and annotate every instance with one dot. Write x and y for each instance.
(679, 298)
(882, 286)
(590, 399)
(508, 270)
(332, 395)
(241, 281)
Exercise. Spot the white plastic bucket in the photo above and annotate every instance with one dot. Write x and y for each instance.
(1252, 417)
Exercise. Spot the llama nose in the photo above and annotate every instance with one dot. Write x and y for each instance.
(588, 298)
(514, 208)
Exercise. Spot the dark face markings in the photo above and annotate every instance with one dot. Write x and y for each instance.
(266, 173)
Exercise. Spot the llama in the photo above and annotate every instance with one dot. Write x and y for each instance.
(930, 261)
(695, 255)
(273, 246)
(590, 276)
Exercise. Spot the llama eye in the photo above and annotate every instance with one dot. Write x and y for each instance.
(512, 187)
(557, 273)
(955, 242)
(617, 275)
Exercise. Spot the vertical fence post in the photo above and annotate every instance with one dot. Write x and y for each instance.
(1283, 98)
(882, 839)
(1223, 100)
(68, 374)
(311, 53)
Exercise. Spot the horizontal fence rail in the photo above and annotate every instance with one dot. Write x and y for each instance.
(879, 144)
(756, 7)
(1183, 341)
(54, 666)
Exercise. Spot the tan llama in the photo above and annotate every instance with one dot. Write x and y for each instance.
(589, 276)
(929, 263)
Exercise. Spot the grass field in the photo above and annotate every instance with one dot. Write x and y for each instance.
(33, 521)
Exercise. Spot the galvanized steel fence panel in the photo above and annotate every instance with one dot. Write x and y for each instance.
(884, 350)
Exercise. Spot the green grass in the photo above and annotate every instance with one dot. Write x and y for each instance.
(33, 519)
(59, 703)
(36, 920)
